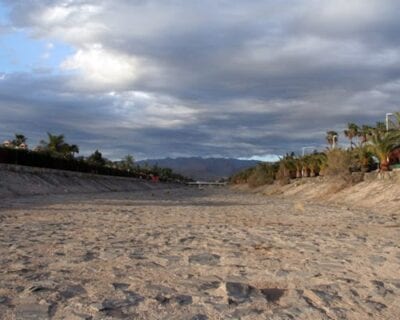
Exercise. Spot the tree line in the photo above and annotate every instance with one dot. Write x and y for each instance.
(56, 153)
(369, 148)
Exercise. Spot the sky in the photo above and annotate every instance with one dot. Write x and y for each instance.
(213, 78)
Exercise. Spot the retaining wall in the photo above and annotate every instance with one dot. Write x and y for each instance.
(22, 181)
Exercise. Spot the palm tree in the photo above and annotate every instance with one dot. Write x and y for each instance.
(313, 163)
(299, 165)
(57, 146)
(397, 123)
(314, 166)
(364, 133)
(323, 162)
(381, 144)
(73, 149)
(127, 163)
(320, 159)
(332, 138)
(351, 132)
(19, 140)
(96, 158)
(363, 158)
(305, 166)
(380, 126)
(287, 166)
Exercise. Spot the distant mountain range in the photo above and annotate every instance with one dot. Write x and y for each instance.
(197, 168)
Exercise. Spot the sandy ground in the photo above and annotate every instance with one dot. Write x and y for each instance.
(196, 255)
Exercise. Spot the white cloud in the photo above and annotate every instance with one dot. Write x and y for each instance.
(57, 14)
(170, 116)
(143, 110)
(103, 67)
(73, 22)
(265, 158)
(354, 12)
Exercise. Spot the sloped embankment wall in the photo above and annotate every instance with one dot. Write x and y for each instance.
(24, 181)
(380, 193)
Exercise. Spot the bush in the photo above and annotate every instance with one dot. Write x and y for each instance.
(46, 160)
(339, 163)
(363, 160)
(286, 169)
(261, 175)
(241, 177)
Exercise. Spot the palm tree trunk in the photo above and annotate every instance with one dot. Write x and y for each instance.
(384, 165)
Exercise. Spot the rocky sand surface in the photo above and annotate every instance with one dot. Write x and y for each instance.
(196, 255)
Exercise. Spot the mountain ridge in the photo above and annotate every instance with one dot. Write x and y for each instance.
(198, 168)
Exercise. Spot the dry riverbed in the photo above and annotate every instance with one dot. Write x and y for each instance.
(195, 255)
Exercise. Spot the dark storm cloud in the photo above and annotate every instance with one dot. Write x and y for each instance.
(220, 78)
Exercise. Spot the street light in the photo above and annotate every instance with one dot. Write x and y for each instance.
(334, 140)
(387, 120)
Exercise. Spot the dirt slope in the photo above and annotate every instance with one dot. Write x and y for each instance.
(382, 194)
(25, 181)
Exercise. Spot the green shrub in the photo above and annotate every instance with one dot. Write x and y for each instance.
(241, 177)
(262, 174)
(48, 160)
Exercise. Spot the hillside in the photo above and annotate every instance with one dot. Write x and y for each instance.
(202, 168)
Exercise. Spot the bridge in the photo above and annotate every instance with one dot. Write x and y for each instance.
(207, 184)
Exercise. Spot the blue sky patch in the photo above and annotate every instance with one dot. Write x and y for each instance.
(21, 53)
(3, 15)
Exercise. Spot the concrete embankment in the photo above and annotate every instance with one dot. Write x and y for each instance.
(24, 181)
(381, 193)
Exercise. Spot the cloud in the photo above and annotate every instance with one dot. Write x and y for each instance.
(101, 67)
(264, 157)
(213, 78)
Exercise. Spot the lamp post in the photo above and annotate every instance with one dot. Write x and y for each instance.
(387, 120)
(334, 140)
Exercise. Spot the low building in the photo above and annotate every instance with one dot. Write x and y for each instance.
(22, 146)
(7, 144)
(10, 144)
